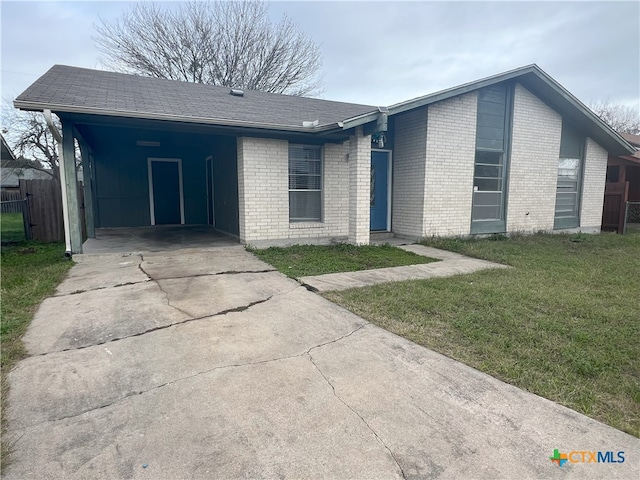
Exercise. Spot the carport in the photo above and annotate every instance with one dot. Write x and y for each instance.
(145, 173)
(161, 152)
(156, 239)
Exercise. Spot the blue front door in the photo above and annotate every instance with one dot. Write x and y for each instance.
(379, 190)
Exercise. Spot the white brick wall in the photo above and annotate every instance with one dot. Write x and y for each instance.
(433, 163)
(263, 190)
(593, 180)
(533, 172)
(409, 153)
(450, 155)
(359, 187)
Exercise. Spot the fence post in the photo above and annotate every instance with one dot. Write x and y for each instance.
(626, 216)
(26, 218)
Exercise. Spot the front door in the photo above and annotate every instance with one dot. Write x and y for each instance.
(165, 191)
(379, 191)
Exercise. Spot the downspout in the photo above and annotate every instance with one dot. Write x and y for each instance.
(65, 209)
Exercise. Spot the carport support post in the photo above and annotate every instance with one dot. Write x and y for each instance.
(68, 163)
(88, 190)
(359, 187)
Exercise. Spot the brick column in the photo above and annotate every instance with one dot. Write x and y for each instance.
(359, 187)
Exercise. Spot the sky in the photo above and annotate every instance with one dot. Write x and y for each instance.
(381, 53)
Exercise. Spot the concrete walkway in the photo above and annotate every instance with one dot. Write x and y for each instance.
(206, 363)
(450, 264)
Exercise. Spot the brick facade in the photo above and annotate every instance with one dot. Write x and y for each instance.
(593, 180)
(533, 169)
(451, 148)
(263, 189)
(433, 168)
(359, 187)
(410, 150)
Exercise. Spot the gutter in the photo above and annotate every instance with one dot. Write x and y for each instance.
(22, 105)
(63, 181)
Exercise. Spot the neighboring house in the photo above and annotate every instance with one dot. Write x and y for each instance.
(6, 154)
(11, 175)
(623, 185)
(514, 152)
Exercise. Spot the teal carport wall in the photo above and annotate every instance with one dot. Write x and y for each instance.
(121, 149)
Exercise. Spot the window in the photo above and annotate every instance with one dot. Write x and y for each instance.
(491, 160)
(305, 183)
(569, 176)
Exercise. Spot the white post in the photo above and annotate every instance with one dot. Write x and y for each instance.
(68, 165)
(65, 209)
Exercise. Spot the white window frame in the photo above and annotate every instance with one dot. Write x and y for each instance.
(321, 189)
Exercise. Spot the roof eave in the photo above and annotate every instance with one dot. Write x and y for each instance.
(459, 90)
(35, 106)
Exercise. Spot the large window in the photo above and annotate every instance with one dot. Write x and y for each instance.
(492, 142)
(569, 176)
(305, 183)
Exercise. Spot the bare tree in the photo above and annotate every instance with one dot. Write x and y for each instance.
(621, 118)
(233, 44)
(29, 137)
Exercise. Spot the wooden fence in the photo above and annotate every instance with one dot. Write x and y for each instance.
(45, 209)
(613, 212)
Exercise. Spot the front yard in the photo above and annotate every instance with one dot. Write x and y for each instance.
(305, 260)
(564, 323)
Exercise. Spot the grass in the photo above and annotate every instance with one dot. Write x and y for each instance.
(30, 272)
(564, 323)
(304, 260)
(12, 229)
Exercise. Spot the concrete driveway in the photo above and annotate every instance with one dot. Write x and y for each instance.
(206, 363)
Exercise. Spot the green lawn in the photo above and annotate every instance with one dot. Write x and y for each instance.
(11, 227)
(304, 260)
(30, 272)
(564, 323)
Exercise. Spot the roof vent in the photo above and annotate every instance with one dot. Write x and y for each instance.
(313, 124)
(236, 92)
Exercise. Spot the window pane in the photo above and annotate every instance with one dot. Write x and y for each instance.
(304, 182)
(487, 185)
(305, 206)
(486, 213)
(487, 199)
(304, 152)
(490, 158)
(567, 185)
(488, 171)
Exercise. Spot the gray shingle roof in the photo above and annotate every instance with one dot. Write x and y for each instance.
(81, 90)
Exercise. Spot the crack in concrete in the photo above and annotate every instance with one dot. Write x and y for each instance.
(166, 295)
(191, 318)
(242, 308)
(196, 275)
(203, 372)
(378, 438)
(76, 292)
(308, 352)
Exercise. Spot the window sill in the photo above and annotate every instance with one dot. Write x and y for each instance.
(301, 225)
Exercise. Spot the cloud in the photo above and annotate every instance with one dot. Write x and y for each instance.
(385, 52)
